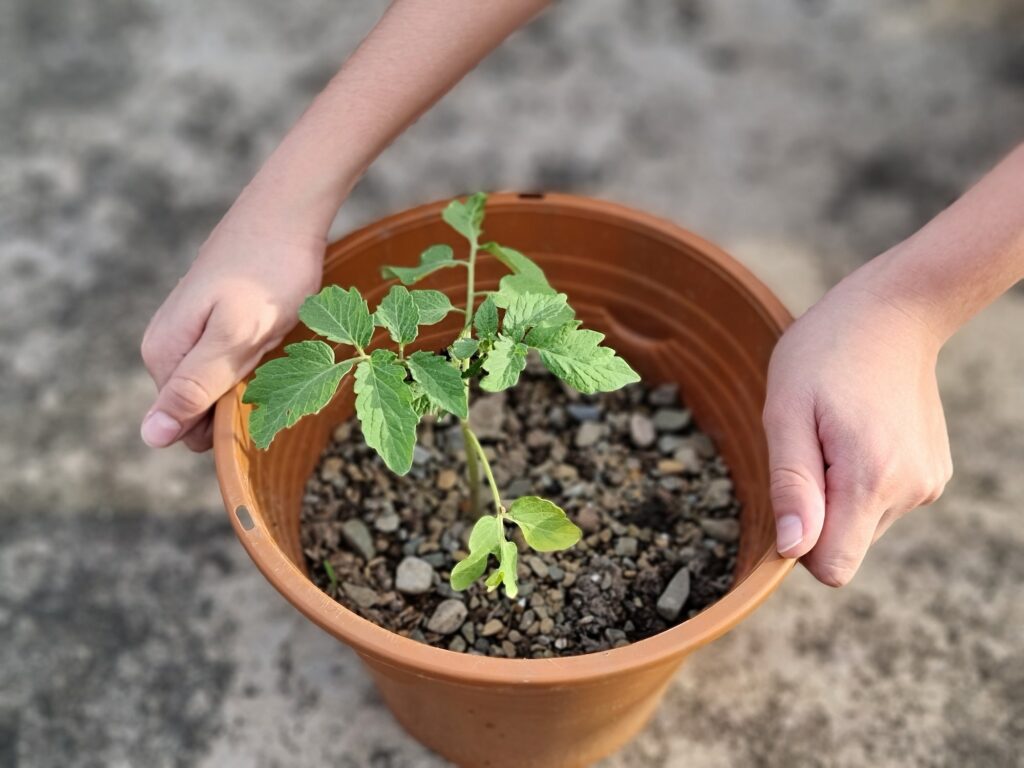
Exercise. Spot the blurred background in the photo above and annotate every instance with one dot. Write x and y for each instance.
(804, 136)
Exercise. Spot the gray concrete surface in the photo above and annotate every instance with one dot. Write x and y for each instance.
(803, 135)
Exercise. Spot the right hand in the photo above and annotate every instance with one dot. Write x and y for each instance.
(236, 302)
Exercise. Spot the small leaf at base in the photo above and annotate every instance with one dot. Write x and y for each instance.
(544, 524)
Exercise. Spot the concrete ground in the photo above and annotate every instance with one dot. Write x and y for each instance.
(803, 135)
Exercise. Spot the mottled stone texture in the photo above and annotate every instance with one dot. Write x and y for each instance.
(804, 136)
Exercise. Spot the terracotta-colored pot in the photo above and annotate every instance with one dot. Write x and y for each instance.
(675, 306)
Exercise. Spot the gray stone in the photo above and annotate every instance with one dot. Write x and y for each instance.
(671, 419)
(625, 546)
(447, 617)
(589, 519)
(458, 644)
(357, 537)
(387, 523)
(414, 576)
(687, 456)
(641, 430)
(588, 434)
(726, 530)
(517, 488)
(492, 627)
(584, 411)
(671, 602)
(362, 596)
(421, 456)
(538, 566)
(664, 395)
(718, 493)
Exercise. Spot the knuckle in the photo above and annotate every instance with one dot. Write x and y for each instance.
(188, 394)
(151, 348)
(835, 571)
(786, 484)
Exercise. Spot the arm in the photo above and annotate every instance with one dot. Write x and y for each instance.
(855, 426)
(242, 293)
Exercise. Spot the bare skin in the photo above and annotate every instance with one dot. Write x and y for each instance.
(855, 426)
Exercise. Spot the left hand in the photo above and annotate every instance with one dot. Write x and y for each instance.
(856, 433)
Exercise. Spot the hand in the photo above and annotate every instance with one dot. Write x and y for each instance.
(237, 301)
(856, 433)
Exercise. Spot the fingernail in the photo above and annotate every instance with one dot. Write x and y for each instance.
(789, 531)
(159, 429)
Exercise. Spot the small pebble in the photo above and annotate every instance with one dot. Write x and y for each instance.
(538, 566)
(414, 576)
(672, 600)
(492, 627)
(457, 644)
(588, 434)
(719, 493)
(447, 617)
(487, 415)
(364, 597)
(446, 479)
(583, 412)
(625, 546)
(387, 523)
(725, 529)
(421, 455)
(664, 394)
(641, 430)
(671, 419)
(358, 538)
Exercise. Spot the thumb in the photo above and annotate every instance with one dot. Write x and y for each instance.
(209, 370)
(796, 478)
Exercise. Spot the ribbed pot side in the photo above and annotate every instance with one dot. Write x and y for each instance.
(675, 306)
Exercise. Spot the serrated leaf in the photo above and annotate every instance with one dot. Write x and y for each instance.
(545, 526)
(531, 309)
(506, 572)
(576, 356)
(384, 404)
(433, 306)
(287, 388)
(431, 260)
(339, 315)
(486, 319)
(441, 382)
(463, 349)
(517, 263)
(503, 364)
(398, 313)
(467, 217)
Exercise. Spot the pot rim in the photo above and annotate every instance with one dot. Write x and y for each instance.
(387, 648)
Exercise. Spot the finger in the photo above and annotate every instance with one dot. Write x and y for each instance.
(172, 333)
(200, 437)
(852, 517)
(213, 366)
(888, 518)
(796, 476)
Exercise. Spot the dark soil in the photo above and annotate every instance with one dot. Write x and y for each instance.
(653, 499)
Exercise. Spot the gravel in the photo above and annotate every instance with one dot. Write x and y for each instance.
(656, 509)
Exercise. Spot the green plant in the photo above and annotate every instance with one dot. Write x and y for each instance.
(394, 389)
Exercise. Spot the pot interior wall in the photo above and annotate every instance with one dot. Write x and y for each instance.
(675, 314)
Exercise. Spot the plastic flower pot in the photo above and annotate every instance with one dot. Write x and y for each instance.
(675, 306)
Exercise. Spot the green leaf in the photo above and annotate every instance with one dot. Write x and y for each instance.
(487, 535)
(398, 313)
(339, 315)
(433, 306)
(468, 570)
(384, 404)
(466, 218)
(486, 319)
(464, 348)
(287, 388)
(575, 356)
(545, 526)
(441, 382)
(505, 573)
(531, 309)
(517, 263)
(527, 277)
(503, 364)
(431, 260)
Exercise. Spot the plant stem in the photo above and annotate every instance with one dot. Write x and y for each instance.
(472, 470)
(470, 283)
(499, 510)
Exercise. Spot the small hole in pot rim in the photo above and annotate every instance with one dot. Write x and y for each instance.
(530, 195)
(242, 513)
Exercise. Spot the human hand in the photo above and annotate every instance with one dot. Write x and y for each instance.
(856, 432)
(236, 302)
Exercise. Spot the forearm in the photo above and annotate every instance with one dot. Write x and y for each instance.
(963, 259)
(416, 53)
